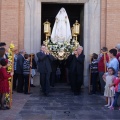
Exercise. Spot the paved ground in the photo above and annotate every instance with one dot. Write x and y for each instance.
(18, 102)
(60, 105)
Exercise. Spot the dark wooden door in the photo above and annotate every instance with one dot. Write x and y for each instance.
(74, 11)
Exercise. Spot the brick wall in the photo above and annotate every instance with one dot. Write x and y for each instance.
(103, 23)
(12, 22)
(21, 23)
(110, 23)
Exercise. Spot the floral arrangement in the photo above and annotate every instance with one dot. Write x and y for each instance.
(65, 46)
(8, 97)
(61, 50)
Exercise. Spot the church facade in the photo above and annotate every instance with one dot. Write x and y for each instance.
(20, 22)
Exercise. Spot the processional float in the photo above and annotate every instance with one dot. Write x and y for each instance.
(61, 51)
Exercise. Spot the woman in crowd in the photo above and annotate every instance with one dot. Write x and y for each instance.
(4, 85)
(102, 59)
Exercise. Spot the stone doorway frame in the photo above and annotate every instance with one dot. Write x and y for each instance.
(32, 39)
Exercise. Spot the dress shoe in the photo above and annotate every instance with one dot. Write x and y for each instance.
(76, 93)
(92, 93)
(3, 108)
(32, 85)
(19, 91)
(46, 94)
(52, 85)
(7, 107)
(27, 93)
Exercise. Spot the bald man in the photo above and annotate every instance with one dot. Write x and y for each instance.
(76, 70)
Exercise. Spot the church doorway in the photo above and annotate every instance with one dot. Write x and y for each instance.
(75, 12)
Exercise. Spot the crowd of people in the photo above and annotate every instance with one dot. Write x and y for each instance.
(21, 75)
(104, 72)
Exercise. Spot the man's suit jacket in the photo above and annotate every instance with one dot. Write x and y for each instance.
(43, 63)
(54, 63)
(76, 64)
(19, 66)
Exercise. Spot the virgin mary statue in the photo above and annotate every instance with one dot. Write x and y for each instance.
(61, 30)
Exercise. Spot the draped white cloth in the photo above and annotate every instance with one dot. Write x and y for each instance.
(61, 30)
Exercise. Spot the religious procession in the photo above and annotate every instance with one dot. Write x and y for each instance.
(60, 57)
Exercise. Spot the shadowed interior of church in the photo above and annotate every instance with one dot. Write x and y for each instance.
(74, 12)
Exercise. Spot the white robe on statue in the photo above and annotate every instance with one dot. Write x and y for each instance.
(61, 31)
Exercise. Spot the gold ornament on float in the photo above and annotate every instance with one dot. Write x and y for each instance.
(76, 28)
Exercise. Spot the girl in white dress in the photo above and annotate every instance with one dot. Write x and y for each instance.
(109, 91)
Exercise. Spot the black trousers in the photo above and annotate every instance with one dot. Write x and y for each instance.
(94, 77)
(45, 82)
(52, 78)
(15, 78)
(76, 83)
(20, 83)
(26, 83)
(58, 78)
(71, 78)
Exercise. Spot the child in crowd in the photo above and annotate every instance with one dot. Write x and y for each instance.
(4, 85)
(26, 73)
(109, 91)
(58, 73)
(116, 83)
(94, 72)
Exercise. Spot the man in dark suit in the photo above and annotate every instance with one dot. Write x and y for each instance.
(19, 71)
(76, 70)
(44, 68)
